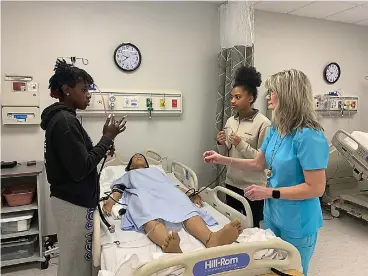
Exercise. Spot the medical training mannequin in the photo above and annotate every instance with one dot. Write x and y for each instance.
(174, 199)
(243, 137)
(71, 166)
(296, 152)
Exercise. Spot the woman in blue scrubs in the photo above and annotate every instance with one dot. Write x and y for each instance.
(295, 152)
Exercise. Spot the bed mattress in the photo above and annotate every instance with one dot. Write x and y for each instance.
(361, 137)
(128, 250)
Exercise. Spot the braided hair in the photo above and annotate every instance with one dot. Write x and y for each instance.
(249, 79)
(66, 74)
(129, 166)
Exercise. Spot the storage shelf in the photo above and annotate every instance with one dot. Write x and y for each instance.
(7, 209)
(24, 175)
(35, 258)
(32, 231)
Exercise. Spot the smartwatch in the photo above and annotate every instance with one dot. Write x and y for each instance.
(276, 194)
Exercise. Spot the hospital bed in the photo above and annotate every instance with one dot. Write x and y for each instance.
(125, 253)
(347, 174)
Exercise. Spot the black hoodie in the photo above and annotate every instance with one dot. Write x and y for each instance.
(70, 158)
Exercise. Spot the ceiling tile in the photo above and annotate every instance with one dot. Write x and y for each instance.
(280, 6)
(350, 16)
(363, 23)
(322, 9)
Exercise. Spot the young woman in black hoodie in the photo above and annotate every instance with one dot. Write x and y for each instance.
(71, 165)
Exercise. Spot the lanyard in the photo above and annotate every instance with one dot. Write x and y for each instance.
(274, 151)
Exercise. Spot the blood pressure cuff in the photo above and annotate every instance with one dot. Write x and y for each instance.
(118, 188)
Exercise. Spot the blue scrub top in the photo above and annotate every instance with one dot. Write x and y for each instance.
(305, 149)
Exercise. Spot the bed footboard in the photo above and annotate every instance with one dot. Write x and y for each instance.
(235, 260)
(211, 197)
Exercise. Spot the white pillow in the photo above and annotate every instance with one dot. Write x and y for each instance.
(361, 137)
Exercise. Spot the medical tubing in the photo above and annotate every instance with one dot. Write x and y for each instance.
(118, 243)
(209, 185)
(108, 196)
(218, 177)
(108, 225)
(103, 100)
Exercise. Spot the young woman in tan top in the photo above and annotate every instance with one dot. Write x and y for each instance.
(243, 136)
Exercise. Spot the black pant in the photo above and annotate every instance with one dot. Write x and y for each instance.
(255, 206)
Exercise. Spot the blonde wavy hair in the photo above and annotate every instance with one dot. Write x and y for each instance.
(295, 108)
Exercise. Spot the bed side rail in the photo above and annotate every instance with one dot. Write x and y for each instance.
(185, 175)
(357, 158)
(234, 260)
(96, 239)
(211, 197)
(153, 157)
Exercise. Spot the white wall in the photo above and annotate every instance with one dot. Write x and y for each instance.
(179, 42)
(285, 41)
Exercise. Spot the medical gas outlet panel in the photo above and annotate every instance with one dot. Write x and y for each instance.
(336, 104)
(162, 103)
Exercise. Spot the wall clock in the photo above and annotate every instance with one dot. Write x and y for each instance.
(127, 57)
(332, 73)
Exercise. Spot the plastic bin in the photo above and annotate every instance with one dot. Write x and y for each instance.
(16, 222)
(19, 195)
(18, 248)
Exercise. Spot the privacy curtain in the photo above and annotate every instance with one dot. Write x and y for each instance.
(237, 49)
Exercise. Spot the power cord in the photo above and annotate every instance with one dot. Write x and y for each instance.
(194, 193)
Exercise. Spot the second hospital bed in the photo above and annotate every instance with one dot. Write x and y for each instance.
(125, 253)
(347, 174)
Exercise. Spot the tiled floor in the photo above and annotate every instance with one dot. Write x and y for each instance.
(341, 251)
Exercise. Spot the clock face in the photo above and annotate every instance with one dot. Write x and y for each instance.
(332, 73)
(127, 57)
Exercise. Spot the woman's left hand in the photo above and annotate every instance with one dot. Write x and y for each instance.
(197, 200)
(255, 192)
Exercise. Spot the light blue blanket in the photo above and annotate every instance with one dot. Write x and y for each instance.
(151, 195)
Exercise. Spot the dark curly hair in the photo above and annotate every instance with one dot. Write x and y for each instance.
(129, 166)
(249, 79)
(66, 74)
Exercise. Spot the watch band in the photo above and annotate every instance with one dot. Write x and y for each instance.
(276, 194)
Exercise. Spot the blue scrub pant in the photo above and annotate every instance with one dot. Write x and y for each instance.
(305, 245)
